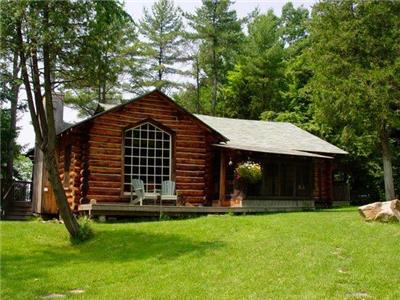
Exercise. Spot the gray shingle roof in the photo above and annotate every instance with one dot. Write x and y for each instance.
(269, 137)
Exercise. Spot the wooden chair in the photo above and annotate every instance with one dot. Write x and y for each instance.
(168, 191)
(141, 195)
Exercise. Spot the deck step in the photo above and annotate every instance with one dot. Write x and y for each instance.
(16, 217)
(18, 210)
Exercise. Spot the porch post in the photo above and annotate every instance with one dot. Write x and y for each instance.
(222, 177)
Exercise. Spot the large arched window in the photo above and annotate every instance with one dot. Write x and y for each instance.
(147, 156)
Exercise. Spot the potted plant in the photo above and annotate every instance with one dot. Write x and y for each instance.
(246, 173)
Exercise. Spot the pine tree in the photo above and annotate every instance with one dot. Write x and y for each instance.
(220, 32)
(256, 82)
(163, 45)
(107, 51)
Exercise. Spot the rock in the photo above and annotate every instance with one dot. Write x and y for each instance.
(388, 211)
(77, 291)
(53, 296)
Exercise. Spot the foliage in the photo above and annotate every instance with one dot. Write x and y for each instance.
(220, 34)
(107, 50)
(46, 43)
(320, 250)
(163, 45)
(250, 172)
(6, 136)
(255, 83)
(23, 168)
(356, 70)
(85, 231)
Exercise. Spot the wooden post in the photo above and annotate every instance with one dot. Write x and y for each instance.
(222, 177)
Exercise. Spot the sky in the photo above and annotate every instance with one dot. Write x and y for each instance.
(135, 8)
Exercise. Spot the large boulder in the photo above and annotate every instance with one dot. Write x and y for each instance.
(388, 211)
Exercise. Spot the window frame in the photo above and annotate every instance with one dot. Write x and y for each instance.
(171, 157)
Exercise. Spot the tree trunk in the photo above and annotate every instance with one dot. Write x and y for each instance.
(13, 121)
(50, 157)
(69, 219)
(387, 167)
(214, 84)
(197, 84)
(45, 128)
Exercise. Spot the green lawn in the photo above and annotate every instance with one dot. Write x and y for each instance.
(309, 255)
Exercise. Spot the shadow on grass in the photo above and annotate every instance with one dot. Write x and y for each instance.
(110, 246)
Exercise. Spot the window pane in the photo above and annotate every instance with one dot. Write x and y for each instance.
(287, 174)
(151, 135)
(147, 150)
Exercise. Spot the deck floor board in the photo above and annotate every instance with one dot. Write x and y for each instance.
(126, 209)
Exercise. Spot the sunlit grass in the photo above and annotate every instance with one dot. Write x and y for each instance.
(309, 255)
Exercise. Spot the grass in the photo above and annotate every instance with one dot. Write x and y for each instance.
(311, 255)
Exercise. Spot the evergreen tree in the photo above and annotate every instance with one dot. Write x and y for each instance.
(162, 45)
(355, 59)
(256, 83)
(220, 33)
(108, 49)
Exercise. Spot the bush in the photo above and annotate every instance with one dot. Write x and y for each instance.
(85, 231)
(250, 172)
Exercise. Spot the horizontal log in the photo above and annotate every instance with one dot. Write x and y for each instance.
(104, 191)
(94, 143)
(105, 184)
(95, 156)
(105, 139)
(190, 144)
(189, 161)
(121, 120)
(189, 167)
(186, 179)
(187, 193)
(105, 177)
(189, 173)
(191, 137)
(106, 163)
(104, 170)
(191, 186)
(181, 149)
(154, 111)
(101, 151)
(98, 130)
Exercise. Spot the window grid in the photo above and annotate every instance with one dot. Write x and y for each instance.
(147, 156)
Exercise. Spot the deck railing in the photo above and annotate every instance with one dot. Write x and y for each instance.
(18, 191)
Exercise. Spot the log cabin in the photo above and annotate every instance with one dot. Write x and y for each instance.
(154, 139)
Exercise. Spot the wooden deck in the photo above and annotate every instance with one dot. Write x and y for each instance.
(127, 209)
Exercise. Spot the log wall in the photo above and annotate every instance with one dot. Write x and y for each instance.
(100, 159)
(76, 185)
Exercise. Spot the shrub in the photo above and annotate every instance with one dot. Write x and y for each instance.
(85, 231)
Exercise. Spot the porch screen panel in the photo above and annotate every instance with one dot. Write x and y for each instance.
(147, 156)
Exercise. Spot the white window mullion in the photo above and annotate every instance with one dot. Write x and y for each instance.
(133, 165)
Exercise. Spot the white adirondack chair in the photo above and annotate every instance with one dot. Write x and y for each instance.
(141, 195)
(168, 192)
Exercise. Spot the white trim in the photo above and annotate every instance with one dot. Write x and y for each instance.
(155, 140)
